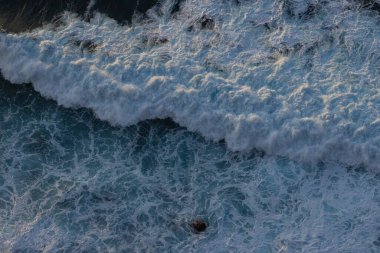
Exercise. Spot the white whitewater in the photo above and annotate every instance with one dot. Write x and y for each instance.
(260, 75)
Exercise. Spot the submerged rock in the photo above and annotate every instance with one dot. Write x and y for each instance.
(198, 225)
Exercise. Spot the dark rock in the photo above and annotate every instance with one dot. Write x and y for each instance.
(204, 23)
(85, 45)
(207, 23)
(198, 225)
(89, 46)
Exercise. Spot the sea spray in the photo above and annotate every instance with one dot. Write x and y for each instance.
(260, 78)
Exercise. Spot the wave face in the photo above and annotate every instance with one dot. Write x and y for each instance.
(72, 183)
(293, 78)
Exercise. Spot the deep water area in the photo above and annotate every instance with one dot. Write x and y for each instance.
(72, 183)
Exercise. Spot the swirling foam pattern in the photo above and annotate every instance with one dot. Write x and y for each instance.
(72, 183)
(291, 86)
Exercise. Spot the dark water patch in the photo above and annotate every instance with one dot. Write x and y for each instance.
(176, 6)
(22, 15)
(123, 10)
(308, 11)
(370, 4)
(377, 242)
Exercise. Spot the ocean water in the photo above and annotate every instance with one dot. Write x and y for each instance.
(259, 117)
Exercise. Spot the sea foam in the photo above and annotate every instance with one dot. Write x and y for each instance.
(292, 78)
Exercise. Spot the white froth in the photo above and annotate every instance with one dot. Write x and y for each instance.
(306, 88)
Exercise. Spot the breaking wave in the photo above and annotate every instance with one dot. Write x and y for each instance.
(292, 78)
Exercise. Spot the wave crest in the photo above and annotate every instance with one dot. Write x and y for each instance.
(250, 74)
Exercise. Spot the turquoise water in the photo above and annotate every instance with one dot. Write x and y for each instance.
(259, 117)
(72, 183)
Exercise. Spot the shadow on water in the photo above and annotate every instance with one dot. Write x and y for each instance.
(22, 15)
